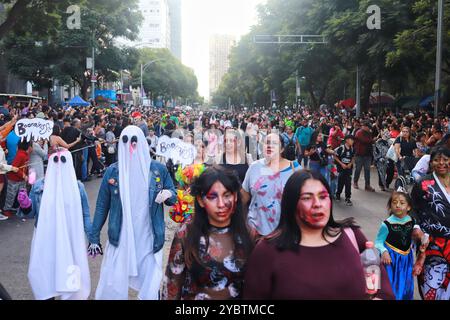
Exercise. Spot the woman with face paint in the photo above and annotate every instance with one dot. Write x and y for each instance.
(310, 255)
(208, 256)
(263, 186)
(431, 203)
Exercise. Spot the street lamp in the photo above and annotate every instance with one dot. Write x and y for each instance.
(143, 67)
(297, 86)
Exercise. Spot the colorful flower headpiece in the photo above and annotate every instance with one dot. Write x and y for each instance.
(182, 210)
(185, 176)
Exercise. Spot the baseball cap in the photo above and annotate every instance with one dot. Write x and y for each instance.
(136, 114)
(40, 115)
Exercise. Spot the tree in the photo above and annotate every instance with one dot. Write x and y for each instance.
(400, 56)
(42, 54)
(166, 77)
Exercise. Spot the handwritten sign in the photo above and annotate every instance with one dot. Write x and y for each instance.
(35, 129)
(177, 150)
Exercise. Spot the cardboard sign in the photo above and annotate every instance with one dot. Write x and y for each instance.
(34, 128)
(177, 150)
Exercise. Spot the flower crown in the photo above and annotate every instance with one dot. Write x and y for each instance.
(187, 175)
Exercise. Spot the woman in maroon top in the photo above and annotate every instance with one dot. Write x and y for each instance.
(309, 256)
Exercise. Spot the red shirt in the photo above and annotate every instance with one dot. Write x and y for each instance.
(363, 143)
(394, 133)
(21, 159)
(335, 138)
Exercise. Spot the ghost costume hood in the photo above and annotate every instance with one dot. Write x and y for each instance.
(58, 260)
(132, 263)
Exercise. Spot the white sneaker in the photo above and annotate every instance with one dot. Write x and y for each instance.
(2, 217)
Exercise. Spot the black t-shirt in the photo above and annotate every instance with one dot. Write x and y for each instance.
(118, 131)
(406, 148)
(69, 135)
(320, 151)
(325, 129)
(345, 155)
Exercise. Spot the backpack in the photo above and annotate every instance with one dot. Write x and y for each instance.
(289, 149)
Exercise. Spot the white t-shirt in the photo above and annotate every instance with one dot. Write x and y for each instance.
(266, 189)
(422, 165)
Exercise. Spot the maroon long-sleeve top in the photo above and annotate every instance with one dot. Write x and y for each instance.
(330, 272)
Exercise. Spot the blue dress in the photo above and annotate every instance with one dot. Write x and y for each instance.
(395, 237)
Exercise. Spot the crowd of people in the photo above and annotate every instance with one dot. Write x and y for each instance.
(263, 223)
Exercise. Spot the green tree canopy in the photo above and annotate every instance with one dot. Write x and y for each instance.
(400, 56)
(42, 52)
(167, 76)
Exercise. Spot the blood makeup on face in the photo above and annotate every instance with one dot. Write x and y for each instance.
(219, 204)
(314, 205)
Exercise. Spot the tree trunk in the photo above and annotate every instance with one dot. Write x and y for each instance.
(312, 95)
(324, 91)
(367, 85)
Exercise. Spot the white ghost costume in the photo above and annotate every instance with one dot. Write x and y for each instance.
(58, 260)
(132, 264)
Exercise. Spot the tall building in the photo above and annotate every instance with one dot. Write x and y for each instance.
(175, 27)
(155, 29)
(219, 59)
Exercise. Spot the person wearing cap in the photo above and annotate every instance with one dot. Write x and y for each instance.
(363, 155)
(345, 159)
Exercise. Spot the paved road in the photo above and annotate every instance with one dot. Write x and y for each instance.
(369, 210)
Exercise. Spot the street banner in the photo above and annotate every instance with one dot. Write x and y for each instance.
(177, 150)
(35, 129)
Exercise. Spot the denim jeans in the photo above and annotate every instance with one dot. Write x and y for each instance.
(84, 167)
(316, 167)
(361, 161)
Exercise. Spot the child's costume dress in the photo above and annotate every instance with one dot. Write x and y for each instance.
(395, 237)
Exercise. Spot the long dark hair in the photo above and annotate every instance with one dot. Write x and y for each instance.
(199, 227)
(288, 235)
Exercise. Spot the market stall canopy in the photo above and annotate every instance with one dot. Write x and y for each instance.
(408, 102)
(77, 101)
(383, 98)
(426, 101)
(348, 103)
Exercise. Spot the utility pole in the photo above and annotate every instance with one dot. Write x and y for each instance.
(358, 92)
(93, 79)
(141, 93)
(437, 86)
(297, 89)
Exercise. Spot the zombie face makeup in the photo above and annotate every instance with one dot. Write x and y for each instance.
(440, 165)
(314, 205)
(219, 204)
(400, 206)
(272, 147)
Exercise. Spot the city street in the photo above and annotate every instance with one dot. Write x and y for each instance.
(369, 210)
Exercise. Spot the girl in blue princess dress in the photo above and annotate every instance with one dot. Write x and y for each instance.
(395, 240)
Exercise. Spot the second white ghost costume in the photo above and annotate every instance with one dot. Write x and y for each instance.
(132, 264)
(58, 260)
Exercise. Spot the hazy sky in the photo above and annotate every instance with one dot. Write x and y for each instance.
(201, 18)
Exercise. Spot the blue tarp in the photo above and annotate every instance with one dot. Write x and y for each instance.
(425, 102)
(108, 94)
(77, 101)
